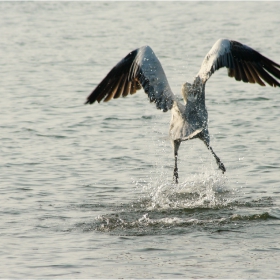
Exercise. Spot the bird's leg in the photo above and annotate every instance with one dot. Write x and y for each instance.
(175, 174)
(176, 145)
(219, 163)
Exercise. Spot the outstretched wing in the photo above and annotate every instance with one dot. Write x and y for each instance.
(140, 68)
(243, 63)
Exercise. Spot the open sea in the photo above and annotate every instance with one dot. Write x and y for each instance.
(87, 191)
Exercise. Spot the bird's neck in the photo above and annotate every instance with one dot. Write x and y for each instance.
(197, 91)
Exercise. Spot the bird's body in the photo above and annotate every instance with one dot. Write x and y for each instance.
(141, 68)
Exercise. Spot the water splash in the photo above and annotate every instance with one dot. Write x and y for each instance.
(199, 190)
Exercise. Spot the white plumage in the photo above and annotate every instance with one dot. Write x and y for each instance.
(219, 51)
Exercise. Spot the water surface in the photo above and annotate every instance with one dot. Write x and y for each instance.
(87, 191)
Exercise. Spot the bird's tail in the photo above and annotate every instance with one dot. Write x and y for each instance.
(192, 134)
(182, 130)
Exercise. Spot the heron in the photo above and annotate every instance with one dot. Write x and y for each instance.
(189, 120)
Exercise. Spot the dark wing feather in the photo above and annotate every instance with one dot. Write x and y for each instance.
(243, 63)
(140, 68)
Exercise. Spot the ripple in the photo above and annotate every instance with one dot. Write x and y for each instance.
(138, 218)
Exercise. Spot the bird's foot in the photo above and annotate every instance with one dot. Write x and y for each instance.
(221, 166)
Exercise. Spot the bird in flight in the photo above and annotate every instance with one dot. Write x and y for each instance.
(142, 69)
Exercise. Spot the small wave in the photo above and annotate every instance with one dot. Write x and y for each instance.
(209, 221)
(253, 217)
(52, 136)
(260, 98)
(148, 117)
(275, 213)
(138, 219)
(145, 225)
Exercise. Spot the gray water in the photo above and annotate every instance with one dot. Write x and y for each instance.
(87, 191)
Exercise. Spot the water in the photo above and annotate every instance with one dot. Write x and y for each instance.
(87, 192)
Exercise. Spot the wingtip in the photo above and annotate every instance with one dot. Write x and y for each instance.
(88, 102)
